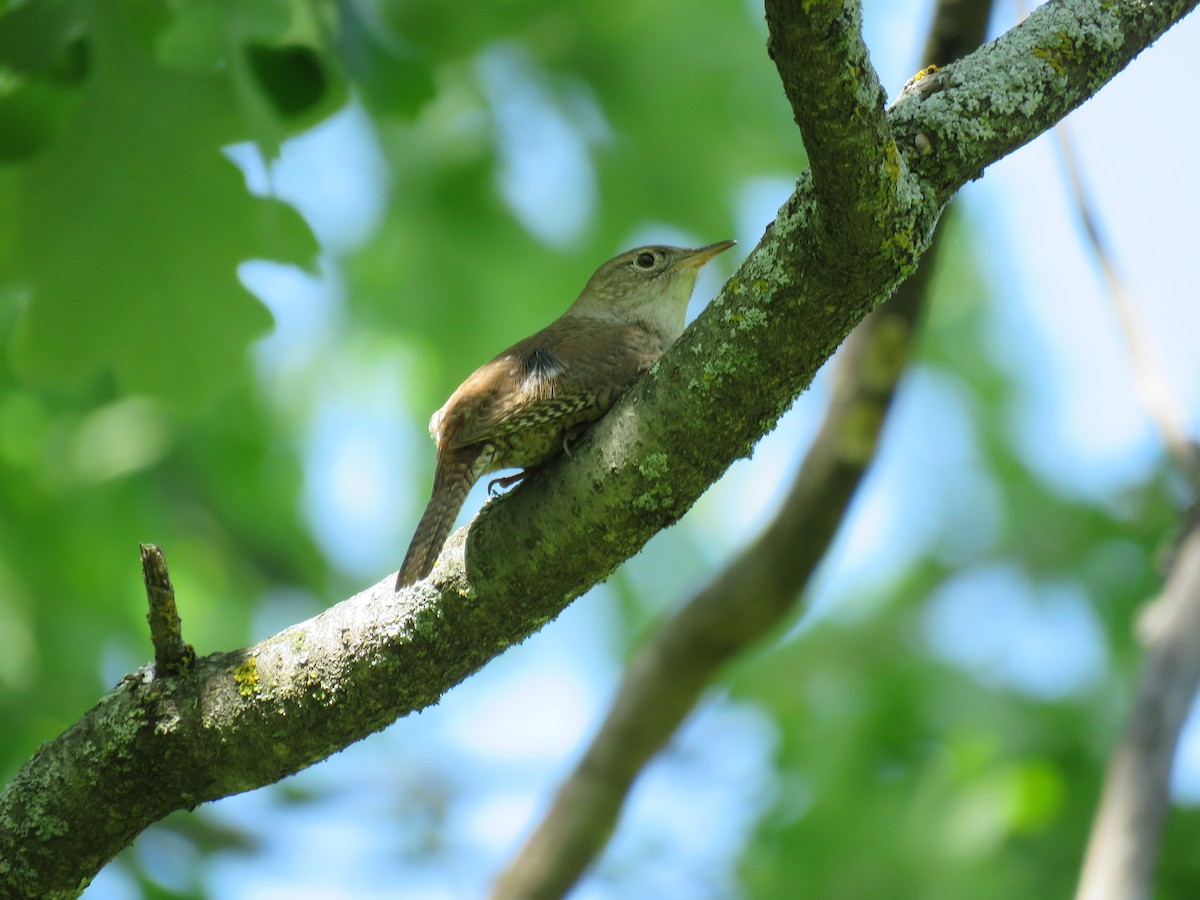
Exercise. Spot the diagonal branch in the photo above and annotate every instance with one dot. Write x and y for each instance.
(248, 718)
(759, 590)
(759, 343)
(979, 109)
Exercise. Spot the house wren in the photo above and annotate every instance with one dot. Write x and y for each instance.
(522, 408)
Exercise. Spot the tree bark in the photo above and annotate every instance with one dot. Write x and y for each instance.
(762, 588)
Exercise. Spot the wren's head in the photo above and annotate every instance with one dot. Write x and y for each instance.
(649, 285)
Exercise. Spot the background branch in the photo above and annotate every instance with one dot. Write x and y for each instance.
(1124, 845)
(1152, 384)
(1126, 836)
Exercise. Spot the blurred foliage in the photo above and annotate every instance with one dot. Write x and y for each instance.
(949, 783)
(130, 410)
(128, 221)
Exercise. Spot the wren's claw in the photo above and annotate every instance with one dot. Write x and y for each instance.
(505, 482)
(572, 435)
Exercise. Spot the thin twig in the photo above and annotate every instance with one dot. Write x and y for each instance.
(171, 655)
(1152, 385)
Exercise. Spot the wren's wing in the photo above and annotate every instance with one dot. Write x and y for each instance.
(571, 371)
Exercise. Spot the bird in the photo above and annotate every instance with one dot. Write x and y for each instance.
(529, 403)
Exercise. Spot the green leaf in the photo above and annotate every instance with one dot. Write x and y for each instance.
(389, 76)
(131, 228)
(31, 116)
(292, 77)
(43, 38)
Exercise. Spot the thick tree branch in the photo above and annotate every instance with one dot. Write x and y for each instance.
(838, 102)
(758, 590)
(735, 370)
(245, 719)
(1002, 96)
(746, 601)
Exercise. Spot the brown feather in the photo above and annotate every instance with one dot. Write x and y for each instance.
(500, 397)
(456, 473)
(522, 408)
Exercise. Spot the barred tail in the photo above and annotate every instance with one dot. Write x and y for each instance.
(451, 484)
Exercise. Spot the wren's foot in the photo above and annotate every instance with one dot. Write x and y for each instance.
(508, 481)
(570, 438)
(572, 435)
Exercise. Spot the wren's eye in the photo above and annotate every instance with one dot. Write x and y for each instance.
(644, 260)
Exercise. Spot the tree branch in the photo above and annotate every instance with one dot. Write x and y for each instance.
(758, 590)
(957, 28)
(837, 101)
(248, 718)
(759, 343)
(988, 104)
(747, 600)
(1148, 376)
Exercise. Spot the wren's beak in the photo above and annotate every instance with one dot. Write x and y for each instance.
(697, 258)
